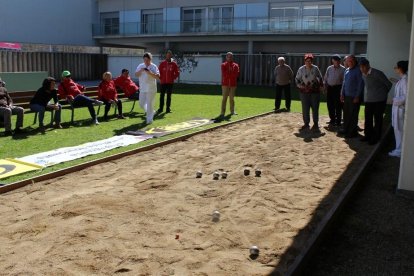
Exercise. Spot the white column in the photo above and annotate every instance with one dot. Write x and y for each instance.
(406, 180)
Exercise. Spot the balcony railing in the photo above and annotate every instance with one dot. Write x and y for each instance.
(236, 25)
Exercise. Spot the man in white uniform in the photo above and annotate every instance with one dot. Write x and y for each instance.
(148, 74)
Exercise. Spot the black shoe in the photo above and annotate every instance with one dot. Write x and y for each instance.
(219, 118)
(168, 111)
(159, 111)
(18, 130)
(287, 109)
(351, 135)
(8, 133)
(372, 142)
(304, 127)
(331, 122)
(342, 132)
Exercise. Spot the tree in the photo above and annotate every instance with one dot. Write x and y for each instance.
(186, 62)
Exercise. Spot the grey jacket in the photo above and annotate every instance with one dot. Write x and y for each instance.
(377, 86)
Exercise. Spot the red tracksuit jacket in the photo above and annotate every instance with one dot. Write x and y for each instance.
(127, 85)
(229, 73)
(168, 72)
(107, 91)
(69, 88)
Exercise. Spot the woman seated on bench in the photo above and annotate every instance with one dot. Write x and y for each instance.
(128, 87)
(40, 102)
(107, 93)
(73, 93)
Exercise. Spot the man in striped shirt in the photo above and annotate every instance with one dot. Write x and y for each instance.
(333, 80)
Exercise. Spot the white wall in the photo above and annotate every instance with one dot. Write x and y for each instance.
(388, 41)
(48, 21)
(207, 71)
(406, 180)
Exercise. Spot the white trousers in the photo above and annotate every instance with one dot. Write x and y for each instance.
(146, 101)
(398, 133)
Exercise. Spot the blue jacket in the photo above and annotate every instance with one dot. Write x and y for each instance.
(353, 85)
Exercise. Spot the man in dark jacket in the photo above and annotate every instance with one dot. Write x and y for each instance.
(377, 87)
(7, 109)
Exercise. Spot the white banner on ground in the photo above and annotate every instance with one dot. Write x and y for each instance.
(53, 157)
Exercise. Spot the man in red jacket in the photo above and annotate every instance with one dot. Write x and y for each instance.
(168, 73)
(229, 74)
(73, 93)
(125, 83)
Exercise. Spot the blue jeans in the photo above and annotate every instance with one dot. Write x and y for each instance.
(41, 110)
(81, 100)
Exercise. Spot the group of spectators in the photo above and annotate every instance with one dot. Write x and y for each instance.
(343, 85)
(347, 87)
(108, 90)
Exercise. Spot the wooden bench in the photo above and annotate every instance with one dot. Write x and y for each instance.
(22, 99)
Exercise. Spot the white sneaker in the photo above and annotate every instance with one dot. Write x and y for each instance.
(96, 122)
(394, 153)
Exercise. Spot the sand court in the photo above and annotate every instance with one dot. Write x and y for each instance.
(148, 214)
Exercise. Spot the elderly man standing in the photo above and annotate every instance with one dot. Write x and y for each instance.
(351, 95)
(377, 87)
(7, 109)
(334, 77)
(284, 78)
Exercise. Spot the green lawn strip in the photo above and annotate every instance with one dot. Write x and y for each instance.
(204, 101)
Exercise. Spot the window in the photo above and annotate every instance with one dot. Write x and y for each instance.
(284, 18)
(152, 21)
(110, 23)
(317, 17)
(194, 20)
(220, 19)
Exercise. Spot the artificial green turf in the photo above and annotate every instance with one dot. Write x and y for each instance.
(188, 101)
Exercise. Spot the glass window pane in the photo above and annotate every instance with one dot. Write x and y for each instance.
(310, 10)
(291, 12)
(227, 12)
(325, 12)
(214, 13)
(276, 12)
(188, 14)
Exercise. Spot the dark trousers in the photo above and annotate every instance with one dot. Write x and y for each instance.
(351, 113)
(82, 100)
(166, 88)
(278, 97)
(310, 100)
(333, 101)
(108, 107)
(374, 114)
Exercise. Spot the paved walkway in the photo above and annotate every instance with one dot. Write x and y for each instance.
(376, 233)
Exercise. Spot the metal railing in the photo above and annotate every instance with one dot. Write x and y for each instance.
(236, 25)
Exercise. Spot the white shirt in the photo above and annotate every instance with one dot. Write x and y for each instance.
(146, 82)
